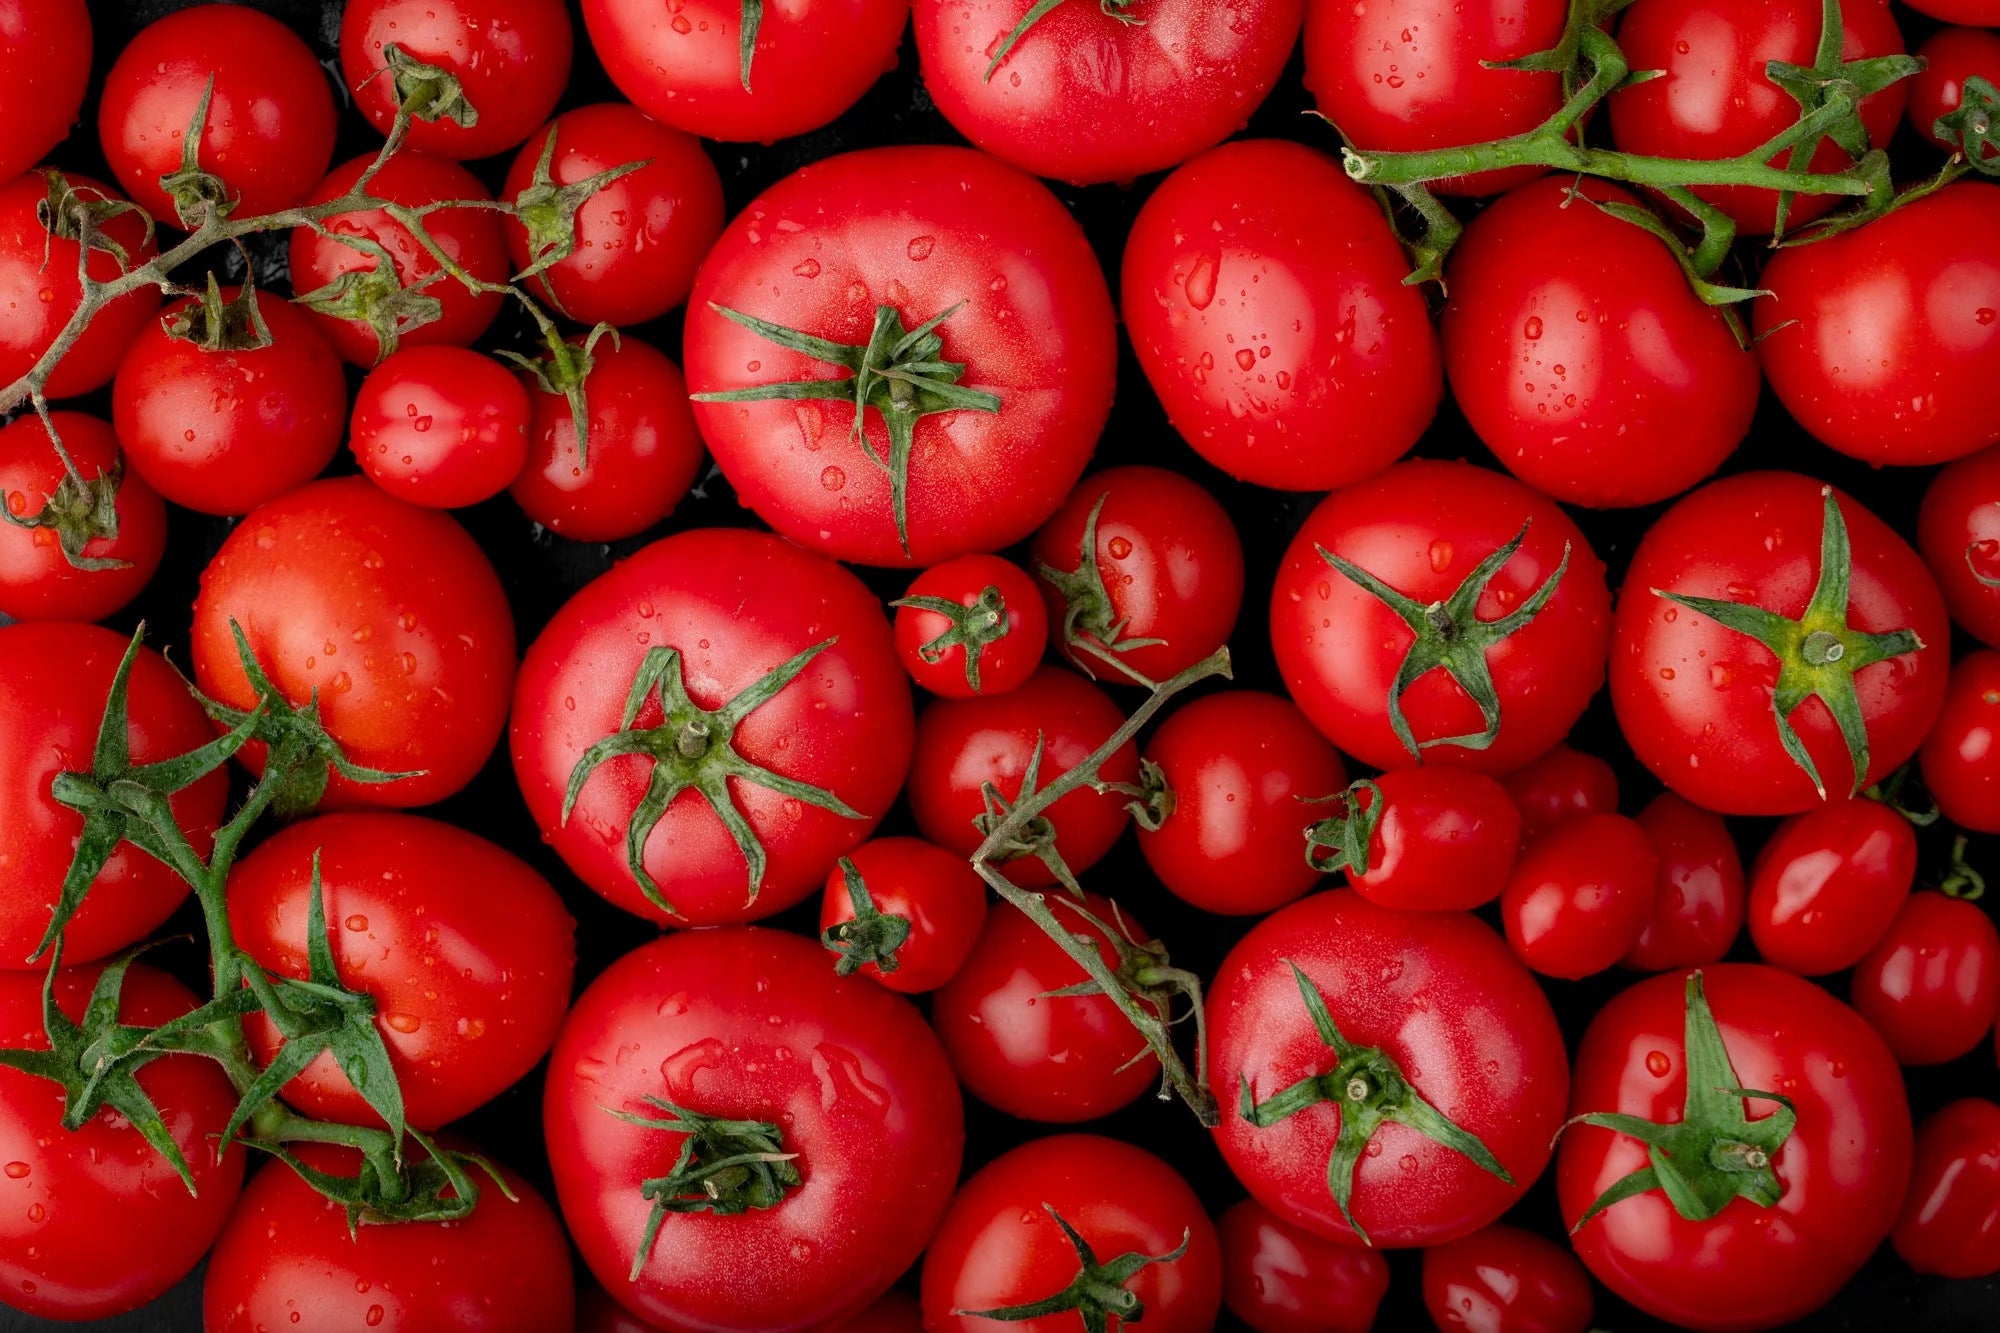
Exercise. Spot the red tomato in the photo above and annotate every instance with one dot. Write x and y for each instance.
(39, 291)
(1002, 1246)
(1228, 285)
(1950, 1224)
(991, 646)
(1699, 902)
(1560, 783)
(1580, 895)
(1694, 697)
(1449, 1018)
(442, 427)
(1444, 840)
(1961, 759)
(1278, 1278)
(1158, 85)
(720, 612)
(1950, 56)
(1959, 11)
(388, 613)
(1931, 984)
(936, 896)
(66, 1192)
(1506, 1280)
(466, 951)
(128, 531)
(1833, 1183)
(1242, 768)
(926, 234)
(1958, 530)
(44, 69)
(848, 1079)
(638, 239)
(1425, 530)
(1828, 884)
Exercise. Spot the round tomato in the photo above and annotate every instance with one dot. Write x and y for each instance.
(1580, 895)
(1950, 1224)
(1828, 883)
(1506, 1280)
(1931, 984)
(1278, 1278)
(44, 69)
(1560, 783)
(1958, 530)
(1985, 12)
(440, 426)
(1274, 323)
(1437, 839)
(971, 625)
(678, 1040)
(1698, 904)
(920, 910)
(1950, 57)
(38, 281)
(71, 551)
(1961, 756)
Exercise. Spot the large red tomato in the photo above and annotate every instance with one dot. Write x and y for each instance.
(1958, 530)
(38, 280)
(44, 69)
(70, 551)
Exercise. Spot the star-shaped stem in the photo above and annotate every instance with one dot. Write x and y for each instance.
(197, 195)
(547, 212)
(725, 1167)
(217, 325)
(1146, 973)
(1099, 1291)
(871, 936)
(1091, 624)
(971, 627)
(1036, 838)
(427, 92)
(79, 511)
(375, 295)
(565, 370)
(1972, 125)
(1040, 10)
(1344, 836)
(440, 1188)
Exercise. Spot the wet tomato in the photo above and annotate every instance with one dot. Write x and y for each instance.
(1958, 531)
(1931, 984)
(1278, 1278)
(44, 70)
(1950, 57)
(971, 625)
(1699, 903)
(1950, 1224)
(114, 559)
(1961, 756)
(1828, 883)
(939, 900)
(1580, 895)
(1438, 839)
(1506, 1280)
(440, 426)
(1560, 783)
(38, 281)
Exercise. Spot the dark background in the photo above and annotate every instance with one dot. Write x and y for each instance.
(541, 571)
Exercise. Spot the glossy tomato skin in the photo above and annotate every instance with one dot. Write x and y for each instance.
(44, 70)
(1958, 531)
(390, 612)
(1985, 12)
(1580, 895)
(37, 581)
(54, 678)
(66, 1193)
(1559, 783)
(34, 262)
(1227, 286)
(288, 1261)
(1278, 1278)
(1889, 332)
(1241, 764)
(1828, 884)
(467, 952)
(1445, 841)
(735, 605)
(1005, 663)
(1421, 528)
(1694, 698)
(850, 1073)
(441, 427)
(998, 1246)
(1440, 994)
(1950, 1224)
(1506, 1280)
(924, 229)
(1148, 96)
(1950, 56)
(1581, 356)
(1931, 984)
(1961, 756)
(935, 890)
(1699, 902)
(1843, 1169)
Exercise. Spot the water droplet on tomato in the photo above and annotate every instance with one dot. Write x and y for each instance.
(1200, 284)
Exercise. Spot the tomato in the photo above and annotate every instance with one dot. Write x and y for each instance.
(389, 614)
(1560, 783)
(114, 523)
(1418, 75)
(1694, 696)
(471, 237)
(1951, 56)
(1242, 768)
(1005, 1243)
(1229, 288)
(934, 894)
(897, 1312)
(1931, 984)
(1159, 84)
(55, 677)
(1164, 578)
(711, 621)
(1808, 1215)
(1452, 1023)
(1714, 99)
(809, 61)
(1582, 357)
(1427, 531)
(221, 428)
(466, 951)
(1438, 839)
(1985, 12)
(44, 69)
(1828, 884)
(848, 1079)
(1958, 530)
(1961, 762)
(1580, 895)
(38, 286)
(1506, 1280)
(442, 427)
(963, 744)
(66, 1193)
(1278, 1278)
(268, 134)
(290, 1260)
(510, 57)
(634, 244)
(641, 454)
(971, 625)
(1698, 904)
(1950, 1224)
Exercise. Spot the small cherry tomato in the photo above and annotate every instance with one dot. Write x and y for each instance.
(1961, 756)
(1950, 1224)
(442, 427)
(38, 280)
(1278, 1278)
(1561, 782)
(1436, 839)
(1699, 903)
(44, 71)
(902, 911)
(1983, 12)
(1950, 57)
(1931, 984)
(1580, 895)
(73, 546)
(1506, 1280)
(1958, 531)
(1828, 883)
(971, 625)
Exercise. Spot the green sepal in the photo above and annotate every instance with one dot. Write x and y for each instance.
(1099, 1291)
(746, 39)
(565, 370)
(725, 1167)
(1971, 125)
(1145, 972)
(871, 936)
(375, 296)
(197, 195)
(216, 325)
(426, 92)
(439, 1188)
(77, 215)
(79, 511)
(547, 212)
(971, 627)
(1345, 836)
(1090, 623)
(1037, 838)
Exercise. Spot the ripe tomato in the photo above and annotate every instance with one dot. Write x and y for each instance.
(1163, 582)
(290, 1259)
(1699, 902)
(1024, 1228)
(1950, 1224)
(1580, 895)
(1950, 56)
(990, 646)
(1438, 839)
(1694, 697)
(1810, 1211)
(114, 523)
(1156, 87)
(442, 427)
(1230, 289)
(44, 69)
(219, 428)
(679, 1032)
(66, 1192)
(1560, 783)
(709, 622)
(1958, 530)
(1931, 984)
(510, 57)
(857, 249)
(1961, 759)
(1506, 1280)
(1428, 532)
(938, 900)
(635, 242)
(55, 677)
(388, 613)
(38, 286)
(1242, 767)
(1828, 883)
(1278, 1278)
(466, 950)
(1452, 1025)
(1985, 12)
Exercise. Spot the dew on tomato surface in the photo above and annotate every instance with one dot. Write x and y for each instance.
(403, 1023)
(18, 1170)
(1658, 1064)
(357, 922)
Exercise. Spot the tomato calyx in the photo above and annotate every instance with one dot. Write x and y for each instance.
(1819, 653)
(746, 42)
(79, 511)
(547, 212)
(376, 296)
(1973, 551)
(70, 214)
(424, 91)
(1344, 836)
(1889, 792)
(972, 627)
(1099, 1291)
(873, 936)
(1090, 622)
(1146, 973)
(1113, 9)
(1368, 1087)
(564, 371)
(217, 325)
(198, 196)
(725, 1167)
(1154, 801)
(1961, 880)
(1715, 1153)
(897, 372)
(1034, 837)
(1971, 127)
